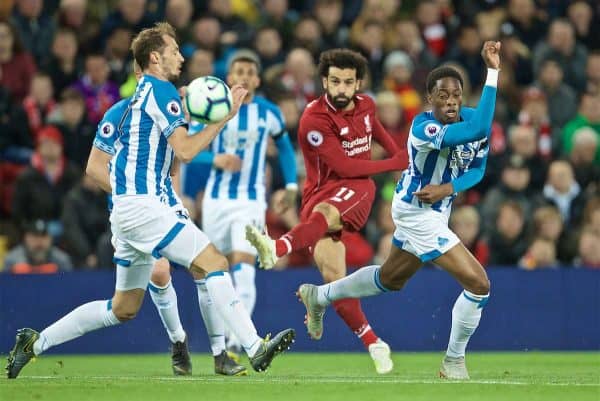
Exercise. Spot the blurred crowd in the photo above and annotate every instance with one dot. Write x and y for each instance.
(63, 63)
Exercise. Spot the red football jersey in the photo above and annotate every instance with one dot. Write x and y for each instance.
(336, 144)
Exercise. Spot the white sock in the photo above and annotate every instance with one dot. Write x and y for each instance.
(362, 283)
(243, 279)
(215, 327)
(245, 287)
(165, 300)
(465, 319)
(232, 311)
(88, 317)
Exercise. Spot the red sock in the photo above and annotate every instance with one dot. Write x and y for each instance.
(351, 312)
(304, 234)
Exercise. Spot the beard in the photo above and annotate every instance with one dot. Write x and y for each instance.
(340, 101)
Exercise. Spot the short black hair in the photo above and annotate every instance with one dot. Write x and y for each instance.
(442, 72)
(342, 58)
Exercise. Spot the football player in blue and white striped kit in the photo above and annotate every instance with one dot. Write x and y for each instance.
(235, 193)
(447, 152)
(148, 221)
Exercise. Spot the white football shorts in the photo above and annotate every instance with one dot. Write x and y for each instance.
(144, 230)
(224, 222)
(421, 231)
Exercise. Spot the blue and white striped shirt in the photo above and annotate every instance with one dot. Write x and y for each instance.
(246, 135)
(432, 163)
(143, 157)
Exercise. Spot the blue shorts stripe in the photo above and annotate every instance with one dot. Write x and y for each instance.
(167, 239)
(397, 243)
(215, 274)
(426, 257)
(236, 267)
(121, 262)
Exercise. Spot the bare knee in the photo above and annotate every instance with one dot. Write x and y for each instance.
(124, 311)
(479, 286)
(332, 215)
(161, 273)
(209, 260)
(392, 279)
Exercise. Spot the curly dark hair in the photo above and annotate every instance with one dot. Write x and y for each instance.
(342, 58)
(439, 73)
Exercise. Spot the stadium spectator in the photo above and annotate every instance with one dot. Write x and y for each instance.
(16, 64)
(200, 64)
(75, 15)
(433, 29)
(405, 35)
(369, 43)
(581, 15)
(548, 225)
(277, 14)
(269, 46)
(39, 103)
(465, 222)
(84, 219)
(589, 251)
(588, 116)
(179, 14)
(307, 35)
(465, 51)
(534, 112)
(585, 146)
(98, 91)
(540, 254)
(398, 69)
(16, 143)
(234, 30)
(564, 192)
(130, 14)
(390, 113)
(516, 55)
(592, 72)
(508, 239)
(36, 29)
(36, 254)
(77, 132)
(562, 46)
(117, 54)
(298, 76)
(523, 21)
(64, 65)
(41, 188)
(562, 99)
(513, 186)
(329, 15)
(523, 141)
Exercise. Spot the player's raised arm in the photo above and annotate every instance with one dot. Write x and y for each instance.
(331, 152)
(187, 147)
(447, 131)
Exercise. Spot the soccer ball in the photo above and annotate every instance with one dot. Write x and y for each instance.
(208, 99)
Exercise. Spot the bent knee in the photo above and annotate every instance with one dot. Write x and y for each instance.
(125, 312)
(332, 215)
(479, 286)
(161, 273)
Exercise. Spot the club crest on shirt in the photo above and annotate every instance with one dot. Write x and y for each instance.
(173, 108)
(431, 129)
(107, 129)
(315, 138)
(368, 124)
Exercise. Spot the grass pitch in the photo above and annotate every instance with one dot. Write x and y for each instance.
(528, 376)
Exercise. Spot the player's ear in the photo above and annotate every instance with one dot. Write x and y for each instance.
(154, 57)
(358, 84)
(324, 81)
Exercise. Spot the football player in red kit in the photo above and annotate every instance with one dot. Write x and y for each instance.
(335, 135)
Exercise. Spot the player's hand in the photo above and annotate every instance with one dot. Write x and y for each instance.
(182, 92)
(433, 193)
(238, 93)
(228, 162)
(288, 200)
(491, 54)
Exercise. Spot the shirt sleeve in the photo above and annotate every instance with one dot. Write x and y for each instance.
(106, 135)
(275, 123)
(474, 174)
(165, 108)
(321, 138)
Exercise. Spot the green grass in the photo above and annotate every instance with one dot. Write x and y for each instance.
(528, 376)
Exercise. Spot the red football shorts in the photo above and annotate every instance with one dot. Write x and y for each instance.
(352, 198)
